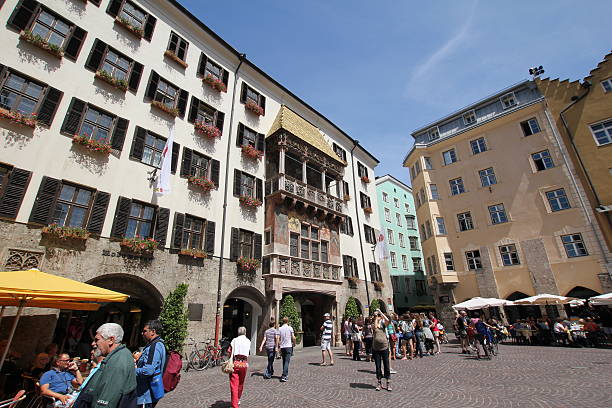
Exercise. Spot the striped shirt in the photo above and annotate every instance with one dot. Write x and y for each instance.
(327, 330)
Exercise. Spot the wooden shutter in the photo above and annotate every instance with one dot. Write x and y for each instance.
(257, 246)
(44, 205)
(209, 246)
(237, 182)
(235, 245)
(149, 27)
(182, 102)
(193, 109)
(73, 117)
(186, 162)
(243, 92)
(13, 193)
(138, 143)
(177, 235)
(261, 142)
(202, 64)
(152, 88)
(23, 13)
(113, 7)
(225, 77)
(98, 212)
(350, 223)
(121, 217)
(262, 103)
(175, 154)
(345, 186)
(215, 168)
(355, 270)
(135, 75)
(119, 133)
(343, 227)
(95, 55)
(259, 189)
(219, 121)
(345, 265)
(48, 107)
(73, 47)
(240, 137)
(161, 226)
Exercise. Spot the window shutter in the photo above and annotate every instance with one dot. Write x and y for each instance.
(355, 270)
(135, 75)
(98, 213)
(237, 180)
(202, 64)
(44, 205)
(209, 246)
(186, 162)
(13, 193)
(119, 133)
(219, 121)
(175, 154)
(343, 227)
(152, 88)
(20, 19)
(149, 27)
(262, 103)
(161, 226)
(177, 235)
(182, 102)
(235, 245)
(261, 142)
(138, 143)
(257, 246)
(47, 109)
(259, 189)
(121, 216)
(243, 92)
(240, 137)
(351, 226)
(225, 77)
(75, 42)
(378, 274)
(193, 109)
(345, 189)
(73, 117)
(95, 55)
(113, 7)
(214, 172)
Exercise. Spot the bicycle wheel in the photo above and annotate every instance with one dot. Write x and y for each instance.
(196, 361)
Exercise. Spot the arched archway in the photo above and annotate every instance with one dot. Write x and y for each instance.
(581, 292)
(243, 307)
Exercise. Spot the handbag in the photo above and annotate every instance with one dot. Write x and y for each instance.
(228, 366)
(356, 336)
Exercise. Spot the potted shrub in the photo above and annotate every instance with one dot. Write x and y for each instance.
(251, 152)
(378, 285)
(215, 83)
(170, 111)
(202, 182)
(368, 210)
(91, 144)
(19, 118)
(74, 233)
(365, 179)
(105, 76)
(194, 253)
(208, 130)
(247, 264)
(170, 54)
(248, 201)
(137, 31)
(40, 42)
(139, 246)
(254, 108)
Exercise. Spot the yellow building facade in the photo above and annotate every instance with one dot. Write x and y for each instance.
(499, 209)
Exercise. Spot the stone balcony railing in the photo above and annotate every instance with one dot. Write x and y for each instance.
(305, 268)
(301, 190)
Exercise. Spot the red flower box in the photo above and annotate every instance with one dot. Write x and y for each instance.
(202, 182)
(107, 77)
(207, 130)
(170, 54)
(214, 83)
(170, 111)
(248, 264)
(250, 151)
(194, 253)
(91, 144)
(365, 179)
(139, 246)
(248, 201)
(255, 108)
(139, 32)
(40, 42)
(19, 118)
(368, 210)
(378, 285)
(58, 232)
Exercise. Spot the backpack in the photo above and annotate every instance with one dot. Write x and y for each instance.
(172, 367)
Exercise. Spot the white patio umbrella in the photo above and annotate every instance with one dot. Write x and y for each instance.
(481, 303)
(605, 299)
(545, 299)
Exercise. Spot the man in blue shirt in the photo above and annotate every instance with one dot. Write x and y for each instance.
(57, 382)
(150, 366)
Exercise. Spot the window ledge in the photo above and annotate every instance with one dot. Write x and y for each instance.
(138, 32)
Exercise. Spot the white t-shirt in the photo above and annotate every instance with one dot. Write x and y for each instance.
(241, 346)
(286, 332)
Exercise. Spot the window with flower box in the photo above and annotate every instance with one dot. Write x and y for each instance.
(362, 171)
(177, 49)
(246, 185)
(213, 73)
(193, 233)
(194, 164)
(253, 100)
(95, 124)
(69, 205)
(132, 17)
(375, 274)
(202, 115)
(247, 136)
(45, 28)
(148, 148)
(350, 266)
(138, 219)
(365, 201)
(114, 67)
(13, 185)
(23, 98)
(245, 244)
(166, 96)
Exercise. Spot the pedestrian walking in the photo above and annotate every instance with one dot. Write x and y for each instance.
(367, 338)
(356, 338)
(419, 337)
(326, 339)
(407, 337)
(346, 335)
(287, 342)
(240, 348)
(461, 327)
(150, 366)
(435, 330)
(380, 349)
(270, 341)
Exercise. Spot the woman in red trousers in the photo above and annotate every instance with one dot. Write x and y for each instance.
(240, 348)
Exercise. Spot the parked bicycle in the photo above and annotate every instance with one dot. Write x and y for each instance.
(197, 358)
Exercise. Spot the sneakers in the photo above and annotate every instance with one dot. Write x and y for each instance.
(392, 371)
(283, 379)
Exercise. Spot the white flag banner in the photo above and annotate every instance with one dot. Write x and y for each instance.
(163, 180)
(382, 251)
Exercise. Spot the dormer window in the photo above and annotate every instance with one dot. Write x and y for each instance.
(508, 100)
(434, 133)
(469, 118)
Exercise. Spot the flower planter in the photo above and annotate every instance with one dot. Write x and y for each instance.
(254, 108)
(40, 42)
(352, 281)
(365, 179)
(138, 32)
(368, 210)
(251, 202)
(347, 197)
(91, 144)
(210, 131)
(139, 246)
(121, 84)
(170, 111)
(378, 285)
(175, 58)
(65, 233)
(203, 183)
(247, 264)
(193, 253)
(214, 83)
(20, 119)
(251, 152)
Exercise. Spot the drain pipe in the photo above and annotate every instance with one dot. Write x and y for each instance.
(242, 58)
(365, 272)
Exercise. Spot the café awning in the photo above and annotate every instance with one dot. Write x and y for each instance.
(481, 303)
(601, 300)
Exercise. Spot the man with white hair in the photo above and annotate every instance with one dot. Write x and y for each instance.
(114, 383)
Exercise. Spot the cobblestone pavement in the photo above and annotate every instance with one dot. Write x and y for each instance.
(521, 376)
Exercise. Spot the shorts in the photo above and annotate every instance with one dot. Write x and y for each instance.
(436, 333)
(463, 334)
(325, 345)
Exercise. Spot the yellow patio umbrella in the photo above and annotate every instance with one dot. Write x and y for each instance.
(33, 288)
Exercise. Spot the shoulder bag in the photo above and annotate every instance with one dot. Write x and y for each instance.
(228, 366)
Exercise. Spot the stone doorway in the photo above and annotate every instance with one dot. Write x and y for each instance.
(243, 307)
(311, 307)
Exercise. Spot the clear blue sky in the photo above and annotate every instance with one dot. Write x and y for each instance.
(381, 69)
